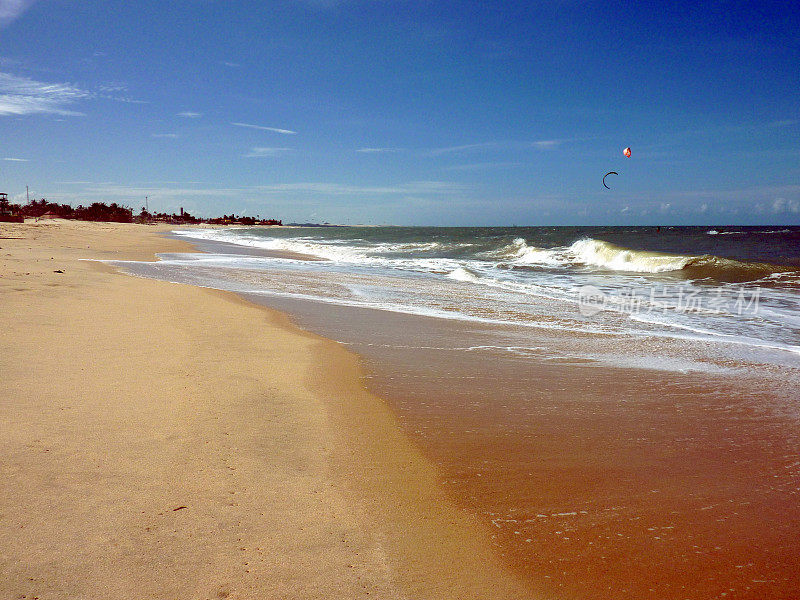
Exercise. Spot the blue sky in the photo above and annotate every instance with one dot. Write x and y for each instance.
(407, 112)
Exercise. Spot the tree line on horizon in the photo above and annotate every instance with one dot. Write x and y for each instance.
(100, 211)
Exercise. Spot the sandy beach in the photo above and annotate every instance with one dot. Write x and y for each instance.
(161, 441)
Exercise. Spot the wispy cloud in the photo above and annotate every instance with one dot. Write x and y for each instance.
(414, 187)
(190, 115)
(744, 194)
(111, 88)
(135, 193)
(545, 144)
(23, 96)
(766, 200)
(230, 64)
(482, 165)
(16, 159)
(784, 205)
(126, 99)
(503, 145)
(262, 128)
(262, 152)
(11, 9)
(113, 91)
(81, 183)
(160, 191)
(464, 148)
(378, 150)
(170, 136)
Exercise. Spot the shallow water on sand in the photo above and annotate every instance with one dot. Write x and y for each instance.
(607, 464)
(598, 481)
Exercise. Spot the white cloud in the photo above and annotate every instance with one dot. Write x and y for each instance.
(11, 9)
(482, 165)
(782, 205)
(749, 194)
(262, 152)
(112, 91)
(76, 182)
(23, 96)
(377, 150)
(414, 187)
(464, 148)
(262, 128)
(136, 193)
(230, 64)
(190, 115)
(125, 99)
(112, 88)
(504, 145)
(16, 159)
(170, 136)
(545, 144)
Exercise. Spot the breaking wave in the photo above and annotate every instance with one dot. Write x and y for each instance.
(749, 232)
(599, 254)
(462, 274)
(467, 260)
(707, 266)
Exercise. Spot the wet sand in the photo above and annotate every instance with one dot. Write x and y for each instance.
(597, 481)
(167, 441)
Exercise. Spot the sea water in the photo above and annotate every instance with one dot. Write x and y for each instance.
(734, 293)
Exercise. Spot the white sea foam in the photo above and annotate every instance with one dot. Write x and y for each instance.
(602, 254)
(462, 274)
(531, 255)
(711, 335)
(594, 253)
(737, 232)
(514, 284)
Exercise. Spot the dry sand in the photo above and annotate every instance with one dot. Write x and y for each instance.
(164, 441)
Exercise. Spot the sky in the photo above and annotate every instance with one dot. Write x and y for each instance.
(407, 112)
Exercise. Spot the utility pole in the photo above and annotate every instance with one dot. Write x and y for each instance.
(146, 205)
(27, 196)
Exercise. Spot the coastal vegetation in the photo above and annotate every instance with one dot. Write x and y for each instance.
(100, 211)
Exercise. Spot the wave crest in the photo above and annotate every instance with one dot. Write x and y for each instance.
(463, 274)
(598, 253)
(519, 252)
(605, 255)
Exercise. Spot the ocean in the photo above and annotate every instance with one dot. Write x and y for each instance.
(601, 397)
(734, 289)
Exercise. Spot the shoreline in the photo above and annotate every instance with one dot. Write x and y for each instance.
(587, 475)
(115, 430)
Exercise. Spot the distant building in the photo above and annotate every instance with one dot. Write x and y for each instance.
(5, 212)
